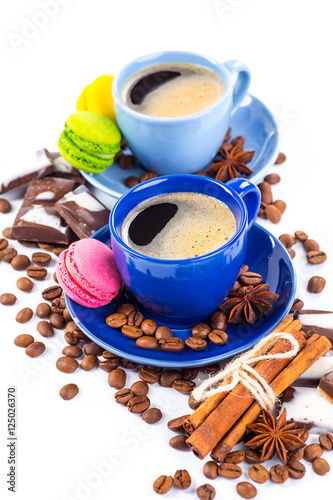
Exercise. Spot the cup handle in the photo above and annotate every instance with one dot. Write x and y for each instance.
(250, 194)
(242, 83)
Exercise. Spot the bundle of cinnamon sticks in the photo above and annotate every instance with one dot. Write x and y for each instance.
(220, 421)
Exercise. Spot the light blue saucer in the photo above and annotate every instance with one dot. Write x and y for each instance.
(265, 255)
(252, 119)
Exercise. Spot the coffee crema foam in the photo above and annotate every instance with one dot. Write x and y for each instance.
(200, 225)
(196, 89)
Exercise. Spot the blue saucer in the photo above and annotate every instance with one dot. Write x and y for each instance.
(252, 119)
(265, 255)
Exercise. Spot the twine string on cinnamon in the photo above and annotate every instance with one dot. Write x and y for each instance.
(240, 371)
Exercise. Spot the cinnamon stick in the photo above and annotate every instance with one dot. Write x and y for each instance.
(208, 406)
(315, 347)
(218, 423)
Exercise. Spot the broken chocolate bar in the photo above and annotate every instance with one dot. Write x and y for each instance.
(325, 386)
(38, 219)
(83, 212)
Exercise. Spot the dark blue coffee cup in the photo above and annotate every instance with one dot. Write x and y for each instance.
(184, 292)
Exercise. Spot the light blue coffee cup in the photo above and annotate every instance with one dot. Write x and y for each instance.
(185, 144)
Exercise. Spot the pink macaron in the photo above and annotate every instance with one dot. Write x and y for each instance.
(88, 273)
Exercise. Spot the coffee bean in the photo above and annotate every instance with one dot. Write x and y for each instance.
(41, 258)
(127, 162)
(8, 299)
(123, 396)
(258, 473)
(301, 236)
(66, 364)
(297, 305)
(131, 332)
(71, 339)
(320, 466)
(151, 416)
(139, 388)
(210, 470)
(279, 474)
(310, 245)
(296, 469)
(147, 342)
(229, 471)
(176, 424)
(313, 451)
(69, 391)
(280, 205)
(109, 364)
(117, 378)
(202, 330)
(295, 455)
(116, 320)
(303, 434)
(57, 251)
(287, 240)
(179, 443)
(45, 329)
(24, 315)
(66, 315)
(55, 277)
(238, 141)
(250, 278)
(171, 344)
(45, 246)
(36, 272)
(266, 192)
(148, 326)
(235, 457)
(7, 233)
(252, 457)
(272, 178)
(24, 284)
(71, 327)
(23, 340)
(5, 206)
(72, 351)
(57, 321)
(326, 441)
(147, 176)
(273, 214)
(316, 257)
(163, 484)
(132, 181)
(125, 309)
(183, 386)
(149, 375)
(138, 404)
(3, 244)
(169, 376)
(58, 305)
(20, 262)
(280, 159)
(206, 492)
(182, 479)
(218, 321)
(89, 362)
(218, 337)
(130, 365)
(291, 252)
(262, 210)
(163, 332)
(196, 343)
(210, 369)
(246, 490)
(94, 349)
(316, 284)
(52, 292)
(8, 254)
(35, 349)
(192, 403)
(190, 373)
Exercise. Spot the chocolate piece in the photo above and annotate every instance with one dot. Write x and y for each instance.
(317, 321)
(61, 167)
(325, 386)
(38, 219)
(83, 212)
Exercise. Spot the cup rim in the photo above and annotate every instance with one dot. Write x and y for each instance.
(191, 260)
(168, 120)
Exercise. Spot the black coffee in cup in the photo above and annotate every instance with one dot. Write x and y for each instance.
(178, 225)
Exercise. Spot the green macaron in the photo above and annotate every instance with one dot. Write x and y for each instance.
(89, 141)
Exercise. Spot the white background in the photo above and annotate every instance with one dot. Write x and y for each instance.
(287, 45)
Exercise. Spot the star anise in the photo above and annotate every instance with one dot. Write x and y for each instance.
(232, 164)
(248, 303)
(274, 436)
